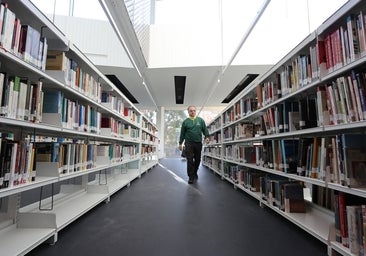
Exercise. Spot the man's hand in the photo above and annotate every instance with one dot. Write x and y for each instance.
(180, 147)
(207, 140)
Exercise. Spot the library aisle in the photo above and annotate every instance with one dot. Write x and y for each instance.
(160, 214)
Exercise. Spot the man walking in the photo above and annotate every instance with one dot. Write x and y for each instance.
(191, 133)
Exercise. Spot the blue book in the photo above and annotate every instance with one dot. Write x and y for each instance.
(52, 101)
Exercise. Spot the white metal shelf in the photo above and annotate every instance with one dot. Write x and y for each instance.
(25, 239)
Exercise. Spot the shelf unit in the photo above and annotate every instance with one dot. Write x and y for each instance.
(248, 139)
(111, 143)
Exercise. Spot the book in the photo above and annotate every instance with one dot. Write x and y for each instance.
(352, 228)
(56, 60)
(25, 42)
(289, 152)
(353, 37)
(7, 29)
(302, 151)
(354, 159)
(52, 101)
(307, 113)
(22, 100)
(294, 197)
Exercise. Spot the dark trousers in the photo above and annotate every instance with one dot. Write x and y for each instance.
(193, 155)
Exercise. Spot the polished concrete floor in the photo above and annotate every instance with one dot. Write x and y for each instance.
(160, 214)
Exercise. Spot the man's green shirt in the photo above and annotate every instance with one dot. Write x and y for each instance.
(192, 130)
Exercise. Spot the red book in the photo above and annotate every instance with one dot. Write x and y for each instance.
(343, 219)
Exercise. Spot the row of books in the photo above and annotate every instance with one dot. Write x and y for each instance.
(19, 159)
(213, 151)
(116, 152)
(20, 39)
(213, 163)
(239, 131)
(118, 128)
(27, 43)
(81, 117)
(285, 194)
(147, 137)
(72, 113)
(147, 149)
(342, 101)
(147, 126)
(16, 162)
(113, 102)
(240, 109)
(67, 71)
(344, 44)
(23, 100)
(339, 159)
(339, 102)
(216, 124)
(20, 99)
(336, 49)
(350, 222)
(278, 191)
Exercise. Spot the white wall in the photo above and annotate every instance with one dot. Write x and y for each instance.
(96, 39)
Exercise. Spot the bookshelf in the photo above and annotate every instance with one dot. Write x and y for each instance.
(69, 138)
(301, 127)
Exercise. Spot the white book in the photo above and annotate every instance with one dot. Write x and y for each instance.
(13, 164)
(9, 104)
(2, 80)
(22, 98)
(2, 10)
(8, 29)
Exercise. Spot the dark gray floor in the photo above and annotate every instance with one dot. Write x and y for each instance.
(160, 214)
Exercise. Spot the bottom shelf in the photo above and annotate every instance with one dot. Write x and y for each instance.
(19, 241)
(316, 220)
(116, 179)
(35, 226)
(148, 165)
(72, 202)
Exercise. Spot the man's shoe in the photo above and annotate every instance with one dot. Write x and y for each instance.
(190, 181)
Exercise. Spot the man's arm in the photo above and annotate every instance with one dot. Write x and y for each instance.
(182, 136)
(205, 132)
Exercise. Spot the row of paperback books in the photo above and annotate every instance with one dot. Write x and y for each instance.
(339, 159)
(339, 102)
(23, 100)
(278, 191)
(20, 39)
(19, 159)
(69, 72)
(20, 98)
(111, 126)
(344, 44)
(350, 222)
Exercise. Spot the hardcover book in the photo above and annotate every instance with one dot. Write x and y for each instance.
(354, 159)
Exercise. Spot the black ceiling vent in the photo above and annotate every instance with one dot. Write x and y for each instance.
(122, 88)
(180, 85)
(241, 86)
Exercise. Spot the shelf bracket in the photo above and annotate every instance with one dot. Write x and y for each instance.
(123, 168)
(105, 177)
(40, 199)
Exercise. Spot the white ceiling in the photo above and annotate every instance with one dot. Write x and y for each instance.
(201, 84)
